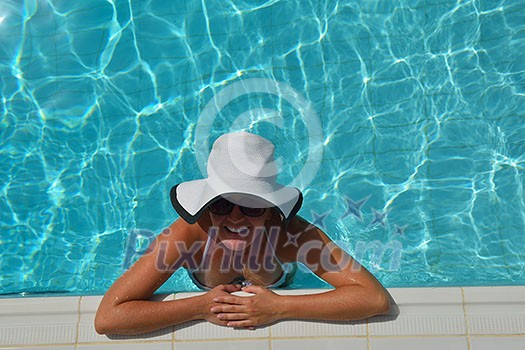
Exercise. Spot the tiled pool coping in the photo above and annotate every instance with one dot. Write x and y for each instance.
(428, 318)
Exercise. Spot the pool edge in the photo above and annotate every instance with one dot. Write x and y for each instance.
(449, 315)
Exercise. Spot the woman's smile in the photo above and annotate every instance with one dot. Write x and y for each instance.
(243, 230)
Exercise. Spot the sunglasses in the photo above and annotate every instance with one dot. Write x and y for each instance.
(224, 207)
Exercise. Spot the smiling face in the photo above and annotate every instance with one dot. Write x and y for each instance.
(237, 218)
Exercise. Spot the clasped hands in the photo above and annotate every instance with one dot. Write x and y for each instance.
(226, 309)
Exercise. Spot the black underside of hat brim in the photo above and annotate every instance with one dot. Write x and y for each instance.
(191, 219)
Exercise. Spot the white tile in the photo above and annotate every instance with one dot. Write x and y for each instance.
(316, 344)
(497, 323)
(51, 323)
(299, 291)
(136, 346)
(301, 328)
(86, 328)
(224, 345)
(422, 311)
(416, 343)
(507, 294)
(28, 321)
(495, 310)
(202, 330)
(491, 343)
(36, 311)
(51, 347)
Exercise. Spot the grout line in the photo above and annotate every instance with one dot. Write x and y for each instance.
(173, 338)
(52, 346)
(499, 335)
(420, 336)
(234, 340)
(109, 342)
(222, 339)
(266, 338)
(467, 324)
(302, 337)
(78, 323)
(270, 337)
(368, 345)
(63, 345)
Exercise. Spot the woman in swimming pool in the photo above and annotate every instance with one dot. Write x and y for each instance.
(239, 231)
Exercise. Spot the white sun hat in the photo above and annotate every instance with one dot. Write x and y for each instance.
(239, 163)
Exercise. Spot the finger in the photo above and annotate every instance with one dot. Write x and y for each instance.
(230, 288)
(232, 316)
(241, 324)
(227, 299)
(226, 308)
(253, 289)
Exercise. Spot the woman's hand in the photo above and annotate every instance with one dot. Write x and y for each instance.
(209, 298)
(247, 312)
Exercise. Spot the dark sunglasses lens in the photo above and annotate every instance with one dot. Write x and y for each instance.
(224, 207)
(221, 207)
(252, 211)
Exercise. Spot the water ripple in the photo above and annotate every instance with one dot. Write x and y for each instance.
(421, 103)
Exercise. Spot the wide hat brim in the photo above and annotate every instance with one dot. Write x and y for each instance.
(190, 199)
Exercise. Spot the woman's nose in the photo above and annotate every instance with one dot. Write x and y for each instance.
(236, 213)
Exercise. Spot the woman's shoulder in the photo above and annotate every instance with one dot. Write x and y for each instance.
(297, 233)
(182, 231)
(304, 231)
(298, 225)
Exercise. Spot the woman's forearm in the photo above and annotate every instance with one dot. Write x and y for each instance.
(343, 303)
(142, 316)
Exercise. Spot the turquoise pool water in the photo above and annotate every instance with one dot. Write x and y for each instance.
(421, 172)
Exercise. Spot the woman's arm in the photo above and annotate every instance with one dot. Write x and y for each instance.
(142, 316)
(125, 308)
(357, 294)
(342, 303)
